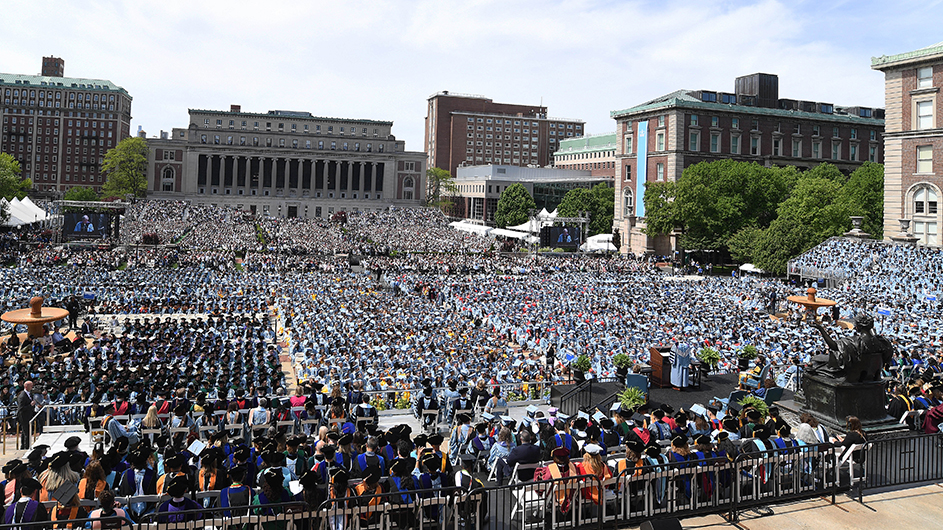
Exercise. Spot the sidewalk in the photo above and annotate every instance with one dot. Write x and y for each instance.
(913, 508)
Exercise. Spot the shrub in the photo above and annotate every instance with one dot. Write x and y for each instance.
(748, 352)
(582, 363)
(757, 403)
(622, 360)
(632, 398)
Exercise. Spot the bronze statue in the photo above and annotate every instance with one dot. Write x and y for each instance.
(858, 359)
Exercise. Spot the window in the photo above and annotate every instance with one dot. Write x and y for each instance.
(694, 120)
(754, 146)
(924, 159)
(627, 203)
(734, 144)
(797, 129)
(816, 149)
(924, 115)
(836, 151)
(854, 134)
(660, 141)
(755, 125)
(734, 123)
(661, 121)
(815, 130)
(714, 121)
(628, 145)
(853, 153)
(873, 154)
(659, 171)
(834, 132)
(715, 143)
(694, 141)
(925, 77)
(777, 147)
(796, 148)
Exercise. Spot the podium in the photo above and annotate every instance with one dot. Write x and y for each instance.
(661, 367)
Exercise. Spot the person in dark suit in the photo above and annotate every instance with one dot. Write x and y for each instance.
(25, 410)
(525, 453)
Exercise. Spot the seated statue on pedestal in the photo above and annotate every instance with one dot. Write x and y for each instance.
(858, 359)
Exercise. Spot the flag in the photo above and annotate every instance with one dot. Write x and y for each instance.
(884, 311)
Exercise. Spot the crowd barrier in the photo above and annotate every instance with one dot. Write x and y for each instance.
(902, 460)
(637, 494)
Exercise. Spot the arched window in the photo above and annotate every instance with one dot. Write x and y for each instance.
(925, 215)
(408, 182)
(408, 188)
(627, 202)
(168, 173)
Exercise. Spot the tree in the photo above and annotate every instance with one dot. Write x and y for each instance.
(11, 184)
(126, 169)
(863, 194)
(810, 215)
(80, 193)
(715, 200)
(440, 187)
(661, 215)
(514, 206)
(598, 201)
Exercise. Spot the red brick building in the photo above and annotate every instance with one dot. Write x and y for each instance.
(474, 130)
(658, 139)
(913, 140)
(59, 128)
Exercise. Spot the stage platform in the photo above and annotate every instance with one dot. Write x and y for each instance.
(714, 385)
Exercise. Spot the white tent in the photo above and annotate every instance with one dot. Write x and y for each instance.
(749, 267)
(598, 242)
(533, 226)
(513, 234)
(30, 206)
(481, 230)
(22, 212)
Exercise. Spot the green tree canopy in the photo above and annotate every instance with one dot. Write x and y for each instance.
(440, 187)
(513, 206)
(598, 201)
(80, 193)
(126, 169)
(11, 184)
(712, 201)
(863, 194)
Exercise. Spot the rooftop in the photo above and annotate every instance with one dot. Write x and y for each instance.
(78, 83)
(689, 99)
(290, 114)
(886, 61)
(588, 143)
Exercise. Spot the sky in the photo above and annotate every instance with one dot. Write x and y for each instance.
(382, 59)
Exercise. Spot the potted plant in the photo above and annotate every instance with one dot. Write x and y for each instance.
(710, 358)
(632, 398)
(756, 403)
(580, 366)
(747, 354)
(622, 363)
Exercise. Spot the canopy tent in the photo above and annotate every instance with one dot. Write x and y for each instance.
(22, 212)
(533, 226)
(749, 267)
(598, 242)
(513, 234)
(473, 228)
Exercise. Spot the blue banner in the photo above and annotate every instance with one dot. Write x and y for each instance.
(641, 168)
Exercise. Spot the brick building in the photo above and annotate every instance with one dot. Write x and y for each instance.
(285, 163)
(474, 130)
(913, 141)
(59, 128)
(658, 139)
(595, 153)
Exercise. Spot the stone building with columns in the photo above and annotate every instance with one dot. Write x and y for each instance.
(913, 141)
(285, 163)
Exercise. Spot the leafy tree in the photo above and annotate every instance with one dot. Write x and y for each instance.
(440, 186)
(661, 212)
(715, 200)
(863, 194)
(80, 193)
(11, 184)
(810, 215)
(513, 206)
(598, 201)
(744, 244)
(126, 169)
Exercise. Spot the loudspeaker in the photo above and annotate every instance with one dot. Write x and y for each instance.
(661, 524)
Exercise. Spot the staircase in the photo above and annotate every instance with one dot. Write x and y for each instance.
(587, 395)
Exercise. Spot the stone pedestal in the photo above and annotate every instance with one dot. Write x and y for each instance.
(831, 403)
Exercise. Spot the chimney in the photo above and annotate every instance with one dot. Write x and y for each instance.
(235, 108)
(53, 67)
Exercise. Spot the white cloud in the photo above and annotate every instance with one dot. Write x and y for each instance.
(381, 60)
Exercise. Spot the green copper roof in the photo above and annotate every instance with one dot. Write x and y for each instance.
(288, 115)
(585, 144)
(887, 60)
(77, 83)
(685, 99)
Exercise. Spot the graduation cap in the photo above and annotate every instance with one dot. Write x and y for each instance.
(372, 474)
(635, 445)
(309, 480)
(178, 486)
(488, 417)
(72, 442)
(328, 451)
(274, 478)
(403, 466)
(702, 439)
(652, 451)
(560, 452)
(532, 411)
(11, 465)
(60, 459)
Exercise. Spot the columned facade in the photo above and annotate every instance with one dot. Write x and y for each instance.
(288, 174)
